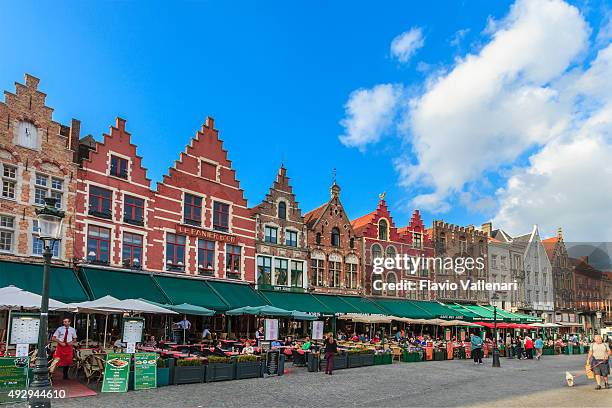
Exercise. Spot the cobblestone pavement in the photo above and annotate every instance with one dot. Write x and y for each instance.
(527, 383)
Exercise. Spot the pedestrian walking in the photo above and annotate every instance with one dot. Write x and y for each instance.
(476, 345)
(331, 348)
(518, 349)
(598, 361)
(529, 347)
(539, 346)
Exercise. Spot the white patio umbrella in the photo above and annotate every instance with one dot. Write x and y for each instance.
(96, 306)
(137, 306)
(12, 297)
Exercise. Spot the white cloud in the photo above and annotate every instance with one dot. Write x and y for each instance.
(369, 114)
(458, 37)
(405, 45)
(493, 106)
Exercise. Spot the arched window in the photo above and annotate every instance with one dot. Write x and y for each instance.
(376, 284)
(391, 252)
(282, 210)
(383, 230)
(376, 251)
(391, 281)
(352, 243)
(318, 238)
(335, 237)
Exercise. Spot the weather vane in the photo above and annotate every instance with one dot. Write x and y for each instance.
(382, 196)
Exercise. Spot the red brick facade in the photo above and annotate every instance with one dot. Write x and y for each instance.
(201, 224)
(282, 247)
(379, 237)
(335, 257)
(36, 160)
(114, 204)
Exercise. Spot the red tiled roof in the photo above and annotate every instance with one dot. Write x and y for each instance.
(549, 245)
(314, 215)
(359, 223)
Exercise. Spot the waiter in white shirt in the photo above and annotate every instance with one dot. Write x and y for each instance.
(185, 325)
(65, 336)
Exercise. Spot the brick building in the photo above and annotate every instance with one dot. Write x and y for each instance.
(281, 240)
(114, 202)
(563, 281)
(201, 224)
(588, 285)
(37, 160)
(334, 254)
(456, 242)
(379, 237)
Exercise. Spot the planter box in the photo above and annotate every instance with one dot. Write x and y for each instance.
(340, 361)
(163, 376)
(438, 355)
(189, 374)
(378, 359)
(576, 350)
(313, 362)
(220, 372)
(251, 369)
(412, 357)
(548, 351)
(367, 360)
(354, 360)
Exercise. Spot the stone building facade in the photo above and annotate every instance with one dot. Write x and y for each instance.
(114, 203)
(459, 243)
(281, 243)
(588, 286)
(379, 237)
(37, 160)
(335, 257)
(563, 281)
(201, 224)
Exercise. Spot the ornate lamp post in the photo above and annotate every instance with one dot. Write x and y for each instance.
(496, 363)
(50, 231)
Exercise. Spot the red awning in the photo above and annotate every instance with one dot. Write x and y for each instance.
(491, 325)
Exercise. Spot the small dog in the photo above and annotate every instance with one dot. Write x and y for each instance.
(569, 378)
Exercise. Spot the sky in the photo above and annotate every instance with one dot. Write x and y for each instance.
(471, 111)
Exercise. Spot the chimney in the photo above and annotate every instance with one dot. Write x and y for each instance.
(487, 228)
(73, 136)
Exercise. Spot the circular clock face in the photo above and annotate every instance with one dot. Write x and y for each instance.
(28, 135)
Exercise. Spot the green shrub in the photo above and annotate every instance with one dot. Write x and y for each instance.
(244, 358)
(218, 359)
(354, 351)
(161, 363)
(189, 362)
(367, 351)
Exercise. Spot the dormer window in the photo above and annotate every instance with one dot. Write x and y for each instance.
(119, 167)
(335, 237)
(282, 210)
(383, 230)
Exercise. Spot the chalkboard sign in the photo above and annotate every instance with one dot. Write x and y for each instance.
(272, 360)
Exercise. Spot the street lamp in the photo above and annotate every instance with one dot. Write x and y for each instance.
(50, 231)
(496, 363)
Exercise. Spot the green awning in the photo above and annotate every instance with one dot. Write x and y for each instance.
(438, 311)
(236, 295)
(122, 284)
(484, 314)
(401, 308)
(336, 304)
(527, 318)
(364, 305)
(303, 302)
(467, 314)
(504, 315)
(64, 284)
(189, 290)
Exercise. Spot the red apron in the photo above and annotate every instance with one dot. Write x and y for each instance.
(64, 353)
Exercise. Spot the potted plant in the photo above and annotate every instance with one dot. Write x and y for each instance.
(163, 373)
(248, 366)
(367, 357)
(219, 369)
(383, 357)
(189, 370)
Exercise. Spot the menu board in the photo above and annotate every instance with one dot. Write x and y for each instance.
(317, 330)
(13, 377)
(133, 328)
(272, 359)
(271, 329)
(145, 371)
(24, 328)
(116, 372)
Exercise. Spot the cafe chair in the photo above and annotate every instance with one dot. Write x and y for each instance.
(299, 360)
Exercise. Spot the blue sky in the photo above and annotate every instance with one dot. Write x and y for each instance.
(275, 75)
